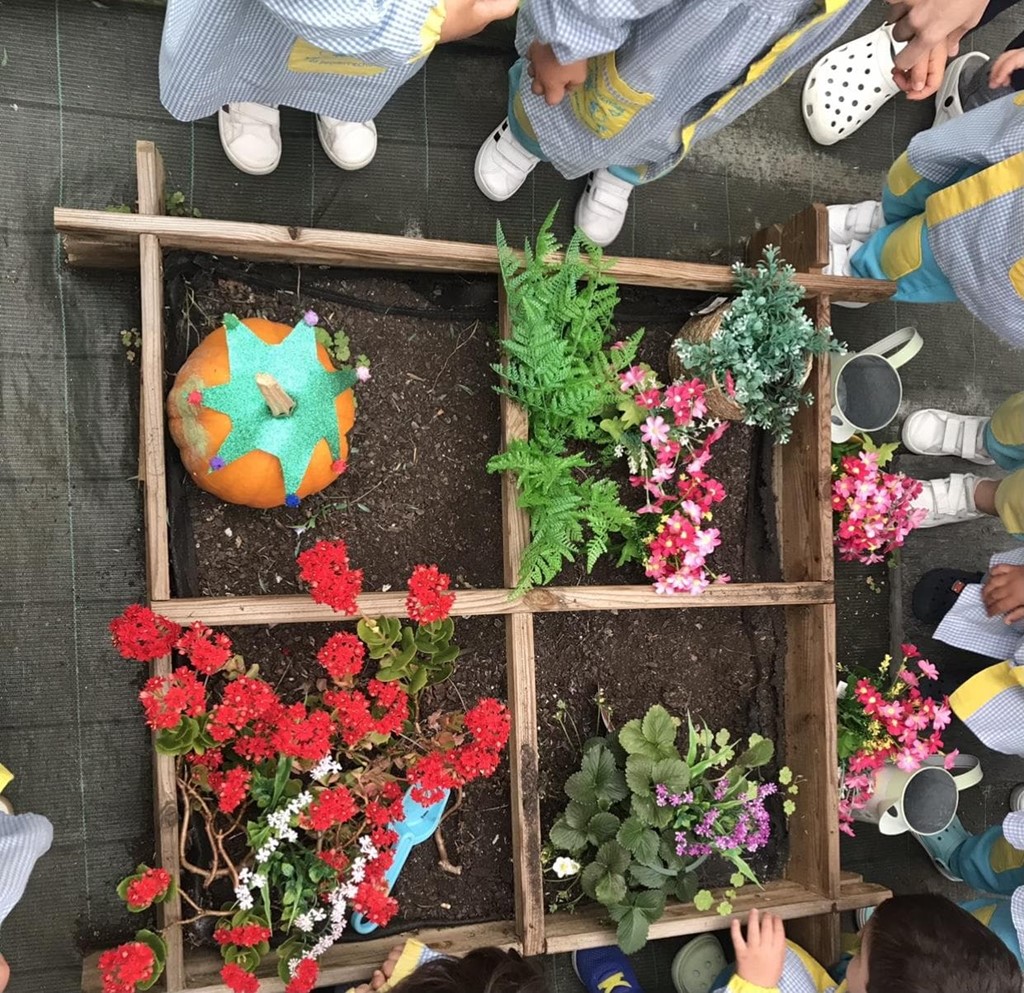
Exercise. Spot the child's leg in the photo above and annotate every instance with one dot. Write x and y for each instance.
(518, 123)
(988, 862)
(1004, 434)
(997, 916)
(900, 252)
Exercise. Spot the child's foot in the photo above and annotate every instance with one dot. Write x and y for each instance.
(605, 970)
(949, 500)
(942, 846)
(949, 99)
(938, 590)
(502, 164)
(349, 145)
(941, 432)
(698, 964)
(601, 210)
(250, 134)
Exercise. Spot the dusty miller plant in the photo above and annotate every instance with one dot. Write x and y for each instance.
(761, 347)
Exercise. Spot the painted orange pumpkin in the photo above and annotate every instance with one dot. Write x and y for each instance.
(260, 414)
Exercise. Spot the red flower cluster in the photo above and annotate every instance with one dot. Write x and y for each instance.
(208, 652)
(325, 568)
(231, 787)
(143, 636)
(238, 980)
(166, 699)
(303, 735)
(244, 936)
(427, 600)
(448, 769)
(124, 967)
(383, 711)
(342, 656)
(151, 886)
(374, 904)
(246, 700)
(331, 807)
(306, 974)
(390, 706)
(337, 860)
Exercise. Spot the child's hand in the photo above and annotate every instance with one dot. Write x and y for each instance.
(464, 18)
(551, 79)
(1003, 67)
(1003, 592)
(923, 79)
(759, 958)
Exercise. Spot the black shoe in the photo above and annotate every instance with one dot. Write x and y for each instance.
(937, 590)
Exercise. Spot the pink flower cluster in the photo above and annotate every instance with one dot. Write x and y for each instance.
(668, 464)
(875, 509)
(898, 725)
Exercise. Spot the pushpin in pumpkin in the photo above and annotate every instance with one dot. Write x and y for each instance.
(260, 413)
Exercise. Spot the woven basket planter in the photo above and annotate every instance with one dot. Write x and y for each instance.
(698, 330)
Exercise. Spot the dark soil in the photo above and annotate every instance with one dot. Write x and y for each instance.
(724, 667)
(417, 489)
(477, 835)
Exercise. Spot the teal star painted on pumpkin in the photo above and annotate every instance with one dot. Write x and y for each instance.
(297, 369)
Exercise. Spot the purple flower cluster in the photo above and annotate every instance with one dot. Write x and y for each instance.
(745, 827)
(663, 798)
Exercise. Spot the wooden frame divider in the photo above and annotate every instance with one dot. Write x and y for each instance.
(813, 889)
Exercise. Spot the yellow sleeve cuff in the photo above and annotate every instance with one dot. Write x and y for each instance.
(5, 777)
(408, 962)
(430, 33)
(738, 985)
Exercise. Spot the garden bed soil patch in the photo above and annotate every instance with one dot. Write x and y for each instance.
(477, 835)
(417, 489)
(723, 667)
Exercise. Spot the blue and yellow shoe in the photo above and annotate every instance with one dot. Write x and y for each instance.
(605, 970)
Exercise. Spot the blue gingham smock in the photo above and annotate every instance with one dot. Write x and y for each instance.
(341, 58)
(24, 839)
(663, 73)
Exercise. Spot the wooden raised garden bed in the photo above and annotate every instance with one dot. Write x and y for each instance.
(812, 889)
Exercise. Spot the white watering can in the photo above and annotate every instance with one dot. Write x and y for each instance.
(866, 388)
(924, 801)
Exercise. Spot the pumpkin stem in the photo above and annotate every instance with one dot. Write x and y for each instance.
(280, 404)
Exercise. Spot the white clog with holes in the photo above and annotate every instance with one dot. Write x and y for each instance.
(941, 432)
(947, 100)
(848, 85)
(949, 500)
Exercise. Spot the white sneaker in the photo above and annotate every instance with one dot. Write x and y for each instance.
(941, 432)
(839, 255)
(601, 210)
(848, 222)
(1017, 798)
(250, 134)
(949, 500)
(349, 145)
(502, 164)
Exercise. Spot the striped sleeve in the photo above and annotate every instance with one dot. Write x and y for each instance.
(24, 838)
(393, 32)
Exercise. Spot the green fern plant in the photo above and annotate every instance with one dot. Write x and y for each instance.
(558, 367)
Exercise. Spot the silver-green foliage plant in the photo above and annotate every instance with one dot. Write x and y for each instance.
(760, 351)
(643, 816)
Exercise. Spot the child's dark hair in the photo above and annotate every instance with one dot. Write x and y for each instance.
(927, 944)
(483, 970)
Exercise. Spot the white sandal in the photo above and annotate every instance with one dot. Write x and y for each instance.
(848, 85)
(941, 432)
(947, 100)
(839, 255)
(949, 500)
(848, 222)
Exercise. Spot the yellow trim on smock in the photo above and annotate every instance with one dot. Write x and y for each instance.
(903, 177)
(408, 962)
(983, 915)
(1008, 420)
(1003, 857)
(5, 777)
(1016, 275)
(996, 181)
(902, 253)
(605, 104)
(305, 57)
(1009, 501)
(430, 33)
(761, 66)
(984, 687)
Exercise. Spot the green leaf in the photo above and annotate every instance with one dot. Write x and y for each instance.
(632, 931)
(638, 839)
(650, 904)
(640, 774)
(686, 887)
(724, 908)
(654, 736)
(567, 838)
(155, 942)
(788, 807)
(611, 888)
(737, 879)
(613, 857)
(606, 779)
(649, 876)
(672, 773)
(703, 900)
(602, 827)
(758, 754)
(579, 812)
(785, 775)
(589, 878)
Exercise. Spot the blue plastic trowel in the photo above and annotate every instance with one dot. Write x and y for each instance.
(418, 824)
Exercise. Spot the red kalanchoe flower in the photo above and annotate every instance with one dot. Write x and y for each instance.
(208, 652)
(231, 787)
(151, 886)
(390, 706)
(246, 699)
(427, 600)
(352, 712)
(342, 656)
(238, 980)
(244, 936)
(338, 861)
(374, 904)
(473, 762)
(489, 724)
(141, 635)
(124, 967)
(167, 699)
(429, 777)
(304, 980)
(331, 807)
(325, 568)
(301, 735)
